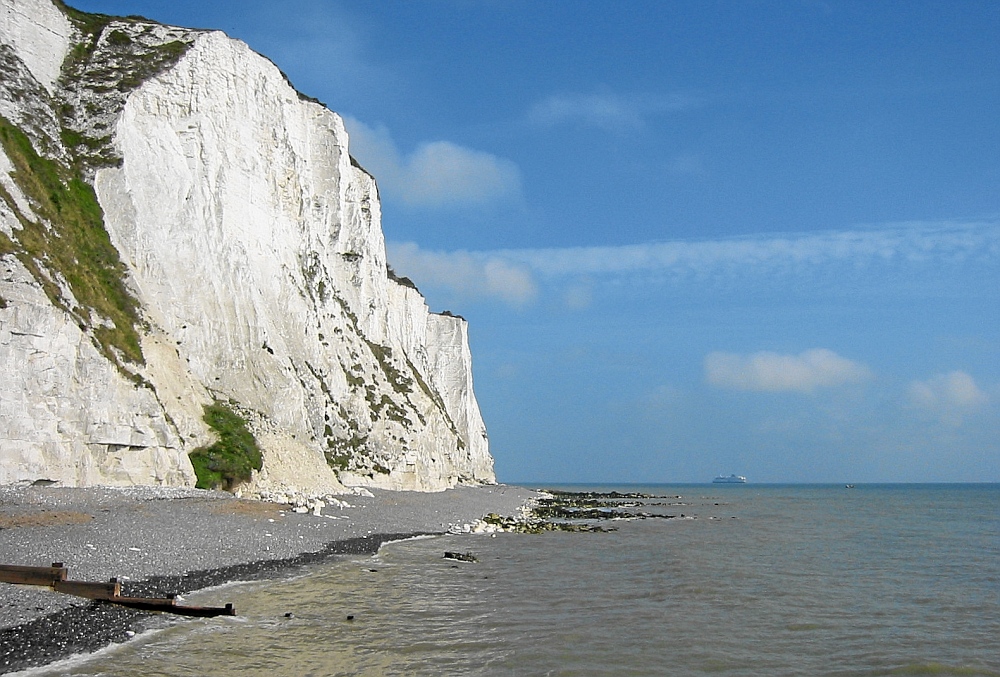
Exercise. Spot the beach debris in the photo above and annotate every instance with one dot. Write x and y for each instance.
(461, 556)
(56, 577)
(482, 526)
(303, 503)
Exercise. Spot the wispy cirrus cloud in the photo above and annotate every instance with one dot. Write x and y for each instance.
(436, 173)
(608, 111)
(774, 372)
(768, 257)
(906, 242)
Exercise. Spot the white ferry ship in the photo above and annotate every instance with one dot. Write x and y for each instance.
(732, 479)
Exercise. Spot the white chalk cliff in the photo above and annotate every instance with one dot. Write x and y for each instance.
(251, 244)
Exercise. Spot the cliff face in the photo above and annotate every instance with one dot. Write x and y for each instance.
(250, 245)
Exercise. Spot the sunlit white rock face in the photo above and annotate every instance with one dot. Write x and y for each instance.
(39, 33)
(66, 413)
(255, 247)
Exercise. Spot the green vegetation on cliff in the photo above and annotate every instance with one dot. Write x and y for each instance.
(230, 461)
(62, 240)
(68, 244)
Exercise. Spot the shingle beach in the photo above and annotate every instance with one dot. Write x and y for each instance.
(159, 541)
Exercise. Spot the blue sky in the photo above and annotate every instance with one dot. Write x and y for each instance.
(690, 237)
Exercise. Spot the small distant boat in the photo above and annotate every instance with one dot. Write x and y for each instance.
(732, 479)
(848, 486)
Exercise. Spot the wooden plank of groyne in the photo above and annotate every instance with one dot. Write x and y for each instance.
(89, 590)
(169, 605)
(55, 577)
(19, 575)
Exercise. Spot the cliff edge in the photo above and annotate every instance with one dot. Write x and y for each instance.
(182, 233)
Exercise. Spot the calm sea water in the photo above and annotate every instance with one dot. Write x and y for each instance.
(764, 580)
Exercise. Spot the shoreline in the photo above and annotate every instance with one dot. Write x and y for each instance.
(159, 541)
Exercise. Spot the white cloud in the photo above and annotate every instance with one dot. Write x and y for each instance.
(436, 173)
(950, 396)
(608, 111)
(772, 372)
(465, 274)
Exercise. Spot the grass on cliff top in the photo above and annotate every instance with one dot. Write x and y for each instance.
(85, 21)
(230, 461)
(73, 244)
(111, 57)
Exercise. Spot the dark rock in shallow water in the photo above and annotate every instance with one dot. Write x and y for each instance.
(552, 511)
(572, 511)
(461, 556)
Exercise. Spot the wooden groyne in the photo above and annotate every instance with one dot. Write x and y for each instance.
(56, 577)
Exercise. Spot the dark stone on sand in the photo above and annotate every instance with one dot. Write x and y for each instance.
(461, 556)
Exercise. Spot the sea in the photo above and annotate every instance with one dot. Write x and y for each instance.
(899, 579)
